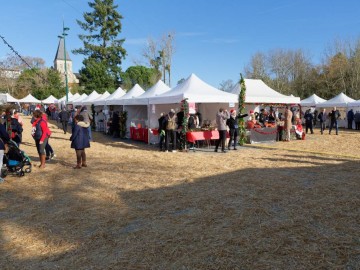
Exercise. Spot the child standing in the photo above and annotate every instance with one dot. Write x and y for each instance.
(80, 140)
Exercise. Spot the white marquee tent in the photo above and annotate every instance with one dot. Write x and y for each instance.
(49, 100)
(312, 101)
(206, 98)
(117, 94)
(78, 99)
(133, 93)
(70, 96)
(157, 89)
(355, 103)
(6, 98)
(29, 99)
(88, 100)
(195, 90)
(341, 100)
(101, 98)
(138, 109)
(257, 92)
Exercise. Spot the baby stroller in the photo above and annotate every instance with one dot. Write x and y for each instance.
(15, 161)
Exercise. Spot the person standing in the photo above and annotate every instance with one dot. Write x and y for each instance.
(232, 123)
(64, 117)
(161, 130)
(334, 116)
(4, 138)
(288, 123)
(87, 119)
(309, 121)
(170, 132)
(350, 118)
(80, 140)
(221, 117)
(316, 113)
(322, 119)
(40, 135)
(357, 120)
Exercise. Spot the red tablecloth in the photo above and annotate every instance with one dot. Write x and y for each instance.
(139, 134)
(193, 136)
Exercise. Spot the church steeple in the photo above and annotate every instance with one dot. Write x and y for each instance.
(59, 63)
(60, 52)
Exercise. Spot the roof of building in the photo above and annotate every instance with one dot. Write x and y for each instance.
(60, 52)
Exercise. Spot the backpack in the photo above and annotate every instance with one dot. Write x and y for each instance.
(171, 125)
(36, 131)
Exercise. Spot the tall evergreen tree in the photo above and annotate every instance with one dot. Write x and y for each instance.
(102, 48)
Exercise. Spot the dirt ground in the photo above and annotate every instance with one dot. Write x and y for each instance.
(282, 205)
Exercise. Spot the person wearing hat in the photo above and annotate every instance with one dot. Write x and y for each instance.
(232, 123)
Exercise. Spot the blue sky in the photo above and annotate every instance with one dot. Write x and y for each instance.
(213, 39)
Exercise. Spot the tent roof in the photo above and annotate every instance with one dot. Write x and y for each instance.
(69, 97)
(157, 89)
(88, 100)
(195, 90)
(117, 94)
(312, 101)
(72, 100)
(341, 100)
(10, 98)
(29, 99)
(354, 103)
(50, 99)
(101, 98)
(258, 92)
(133, 93)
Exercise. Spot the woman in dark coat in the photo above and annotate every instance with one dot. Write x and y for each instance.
(80, 140)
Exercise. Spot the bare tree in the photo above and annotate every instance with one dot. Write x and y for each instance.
(257, 68)
(159, 54)
(226, 86)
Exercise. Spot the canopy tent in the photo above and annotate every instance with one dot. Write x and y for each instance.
(88, 100)
(312, 101)
(206, 98)
(69, 96)
(137, 108)
(355, 103)
(101, 98)
(117, 94)
(78, 99)
(133, 93)
(6, 98)
(195, 90)
(29, 99)
(259, 93)
(157, 89)
(49, 100)
(341, 100)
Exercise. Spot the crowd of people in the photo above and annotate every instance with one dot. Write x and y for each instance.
(289, 120)
(11, 128)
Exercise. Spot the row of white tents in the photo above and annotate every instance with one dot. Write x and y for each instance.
(340, 101)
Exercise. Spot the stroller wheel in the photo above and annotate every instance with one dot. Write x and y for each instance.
(22, 173)
(28, 170)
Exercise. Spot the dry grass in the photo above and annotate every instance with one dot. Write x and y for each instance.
(262, 207)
